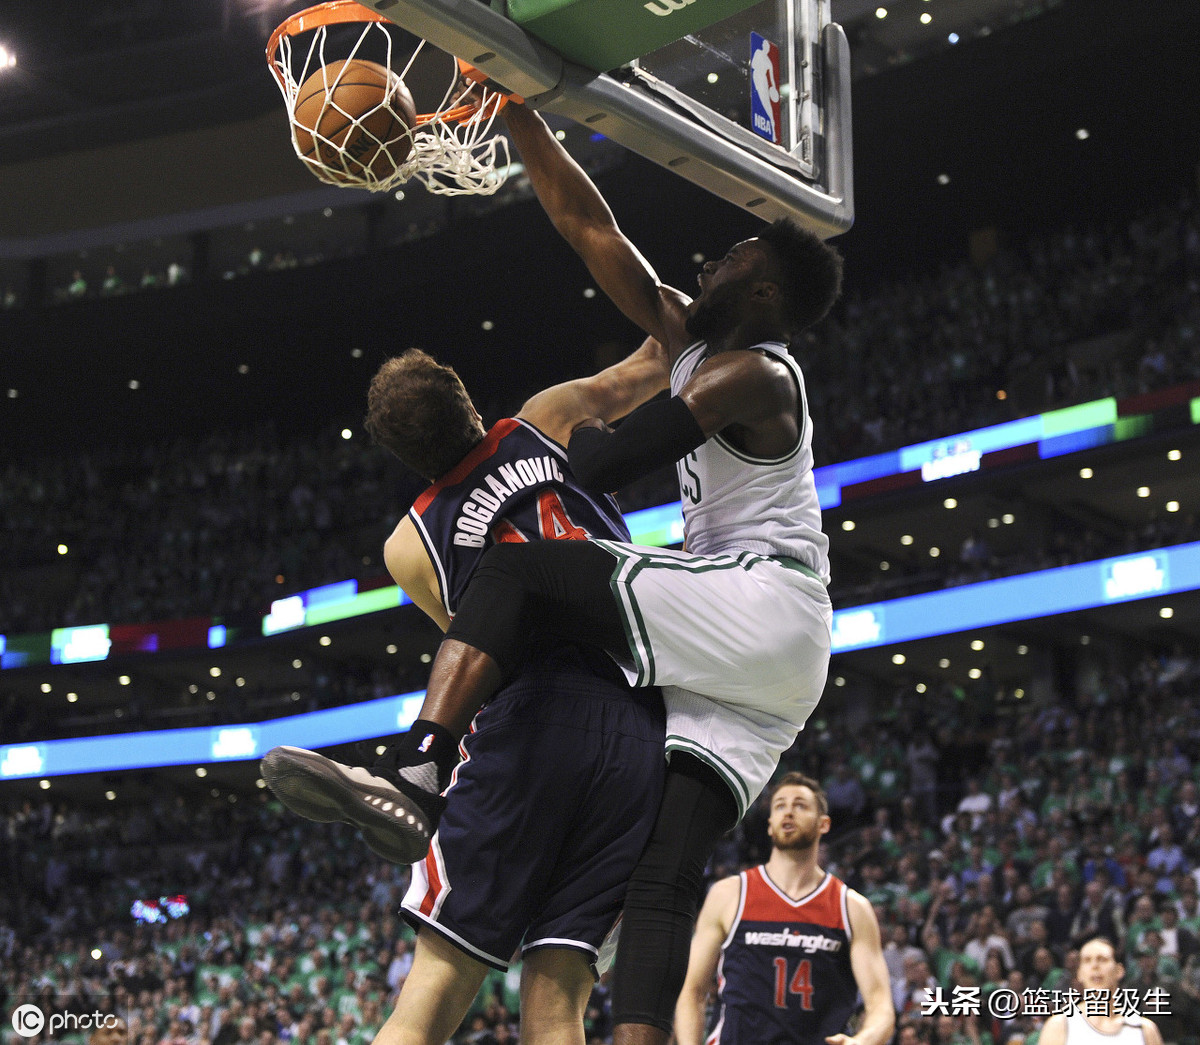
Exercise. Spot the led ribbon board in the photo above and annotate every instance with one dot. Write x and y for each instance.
(1043, 436)
(1066, 589)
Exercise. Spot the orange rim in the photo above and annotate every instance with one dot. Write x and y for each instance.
(341, 12)
(332, 12)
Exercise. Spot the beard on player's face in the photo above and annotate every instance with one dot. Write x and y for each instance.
(713, 316)
(799, 838)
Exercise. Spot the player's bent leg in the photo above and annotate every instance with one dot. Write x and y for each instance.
(557, 589)
(556, 983)
(436, 996)
(663, 898)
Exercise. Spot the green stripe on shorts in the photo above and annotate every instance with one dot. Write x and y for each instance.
(741, 793)
(632, 617)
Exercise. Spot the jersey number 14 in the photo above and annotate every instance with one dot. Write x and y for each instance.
(801, 983)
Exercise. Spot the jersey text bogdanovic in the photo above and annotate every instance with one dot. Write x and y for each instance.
(513, 486)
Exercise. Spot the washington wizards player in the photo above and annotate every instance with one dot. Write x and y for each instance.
(561, 773)
(792, 948)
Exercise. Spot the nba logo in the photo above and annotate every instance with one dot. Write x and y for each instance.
(765, 114)
(426, 744)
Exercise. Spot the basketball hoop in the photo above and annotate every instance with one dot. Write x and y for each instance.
(452, 150)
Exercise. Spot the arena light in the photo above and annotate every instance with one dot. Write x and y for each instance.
(7, 59)
(847, 525)
(1173, 455)
(1086, 473)
(881, 12)
(926, 18)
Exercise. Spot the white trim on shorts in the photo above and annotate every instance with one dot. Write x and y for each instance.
(452, 937)
(562, 944)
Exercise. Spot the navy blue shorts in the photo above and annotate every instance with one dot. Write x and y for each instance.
(546, 816)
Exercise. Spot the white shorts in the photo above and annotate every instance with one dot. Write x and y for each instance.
(747, 635)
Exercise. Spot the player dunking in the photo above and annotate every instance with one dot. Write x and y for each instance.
(795, 946)
(1097, 1021)
(499, 874)
(736, 628)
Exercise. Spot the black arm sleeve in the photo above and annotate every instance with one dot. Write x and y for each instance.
(660, 432)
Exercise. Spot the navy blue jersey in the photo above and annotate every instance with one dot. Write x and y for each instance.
(784, 977)
(514, 486)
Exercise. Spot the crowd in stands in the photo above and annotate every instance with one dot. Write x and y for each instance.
(1077, 315)
(228, 524)
(992, 844)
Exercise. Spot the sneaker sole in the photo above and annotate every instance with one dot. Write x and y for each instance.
(317, 788)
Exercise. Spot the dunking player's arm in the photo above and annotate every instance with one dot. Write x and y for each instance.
(555, 412)
(742, 393)
(866, 960)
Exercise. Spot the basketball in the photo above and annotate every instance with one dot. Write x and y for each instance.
(352, 120)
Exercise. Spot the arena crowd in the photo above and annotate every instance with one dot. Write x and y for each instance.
(992, 840)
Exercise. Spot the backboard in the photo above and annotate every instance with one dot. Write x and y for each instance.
(754, 108)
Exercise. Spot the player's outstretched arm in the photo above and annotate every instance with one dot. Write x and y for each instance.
(711, 929)
(608, 395)
(871, 975)
(584, 220)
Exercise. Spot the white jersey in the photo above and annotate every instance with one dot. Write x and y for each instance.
(1081, 1032)
(733, 502)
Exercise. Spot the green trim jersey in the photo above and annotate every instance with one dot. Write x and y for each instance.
(734, 502)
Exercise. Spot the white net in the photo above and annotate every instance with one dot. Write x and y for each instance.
(452, 151)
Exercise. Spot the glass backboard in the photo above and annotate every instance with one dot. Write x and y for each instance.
(755, 108)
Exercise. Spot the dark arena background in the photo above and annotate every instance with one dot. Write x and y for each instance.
(193, 517)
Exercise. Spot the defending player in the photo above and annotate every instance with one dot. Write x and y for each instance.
(532, 846)
(791, 946)
(740, 620)
(1097, 1021)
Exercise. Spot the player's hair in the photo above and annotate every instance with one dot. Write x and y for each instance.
(810, 272)
(800, 780)
(1118, 955)
(419, 410)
